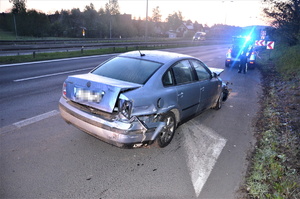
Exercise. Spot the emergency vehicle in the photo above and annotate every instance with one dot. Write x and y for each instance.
(239, 46)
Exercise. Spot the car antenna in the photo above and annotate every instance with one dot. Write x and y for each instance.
(141, 54)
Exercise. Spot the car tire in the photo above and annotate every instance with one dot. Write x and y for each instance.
(167, 132)
(219, 102)
(226, 64)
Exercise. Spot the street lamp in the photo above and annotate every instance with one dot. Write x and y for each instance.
(226, 12)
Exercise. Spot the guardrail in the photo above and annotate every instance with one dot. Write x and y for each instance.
(37, 46)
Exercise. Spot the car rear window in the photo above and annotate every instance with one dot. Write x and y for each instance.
(128, 69)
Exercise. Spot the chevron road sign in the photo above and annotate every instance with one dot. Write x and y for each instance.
(270, 45)
(260, 42)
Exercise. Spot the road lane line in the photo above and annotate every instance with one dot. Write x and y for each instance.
(35, 119)
(203, 147)
(28, 121)
(56, 60)
(50, 75)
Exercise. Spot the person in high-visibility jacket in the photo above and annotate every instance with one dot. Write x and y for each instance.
(243, 63)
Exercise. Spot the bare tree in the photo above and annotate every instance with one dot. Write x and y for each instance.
(112, 7)
(156, 16)
(18, 6)
(285, 17)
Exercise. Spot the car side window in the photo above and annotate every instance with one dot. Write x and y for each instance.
(167, 79)
(183, 72)
(202, 73)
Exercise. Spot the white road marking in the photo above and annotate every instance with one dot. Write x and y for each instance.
(203, 147)
(50, 75)
(56, 60)
(22, 123)
(35, 119)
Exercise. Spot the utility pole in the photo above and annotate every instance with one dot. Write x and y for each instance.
(15, 25)
(111, 5)
(146, 31)
(110, 26)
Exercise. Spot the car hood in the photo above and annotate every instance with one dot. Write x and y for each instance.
(108, 88)
(218, 71)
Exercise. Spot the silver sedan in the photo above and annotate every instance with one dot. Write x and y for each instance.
(139, 98)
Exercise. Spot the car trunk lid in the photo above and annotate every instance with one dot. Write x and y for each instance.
(96, 91)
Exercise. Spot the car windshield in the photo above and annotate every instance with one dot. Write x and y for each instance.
(128, 69)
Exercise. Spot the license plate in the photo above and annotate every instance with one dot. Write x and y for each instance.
(236, 59)
(88, 95)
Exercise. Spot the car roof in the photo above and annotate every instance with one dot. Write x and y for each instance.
(155, 55)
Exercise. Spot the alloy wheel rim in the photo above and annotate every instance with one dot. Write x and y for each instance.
(168, 129)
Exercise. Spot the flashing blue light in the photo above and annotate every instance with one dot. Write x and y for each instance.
(248, 38)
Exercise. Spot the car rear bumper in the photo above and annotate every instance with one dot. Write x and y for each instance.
(114, 132)
(232, 60)
(236, 60)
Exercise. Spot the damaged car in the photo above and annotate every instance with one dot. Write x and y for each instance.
(139, 98)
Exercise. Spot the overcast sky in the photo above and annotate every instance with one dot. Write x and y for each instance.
(238, 12)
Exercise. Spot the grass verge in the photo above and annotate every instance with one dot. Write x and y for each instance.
(274, 171)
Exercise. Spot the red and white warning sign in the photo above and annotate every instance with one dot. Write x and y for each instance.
(260, 42)
(270, 45)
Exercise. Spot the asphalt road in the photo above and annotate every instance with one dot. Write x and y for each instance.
(43, 157)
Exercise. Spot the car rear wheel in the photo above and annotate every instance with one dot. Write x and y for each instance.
(167, 132)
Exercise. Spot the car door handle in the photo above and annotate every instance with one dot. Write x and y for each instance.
(180, 94)
(202, 89)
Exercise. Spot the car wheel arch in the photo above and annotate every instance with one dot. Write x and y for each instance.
(167, 132)
(175, 111)
(218, 104)
(177, 115)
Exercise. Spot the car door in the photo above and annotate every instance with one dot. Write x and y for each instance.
(208, 86)
(188, 92)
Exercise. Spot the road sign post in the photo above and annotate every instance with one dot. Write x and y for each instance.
(270, 46)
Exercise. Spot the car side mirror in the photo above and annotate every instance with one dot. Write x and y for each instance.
(214, 75)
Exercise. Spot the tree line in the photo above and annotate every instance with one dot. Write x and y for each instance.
(107, 22)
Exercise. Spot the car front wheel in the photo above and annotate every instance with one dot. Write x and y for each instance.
(220, 101)
(167, 132)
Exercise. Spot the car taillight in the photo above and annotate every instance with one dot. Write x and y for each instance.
(251, 62)
(125, 107)
(64, 90)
